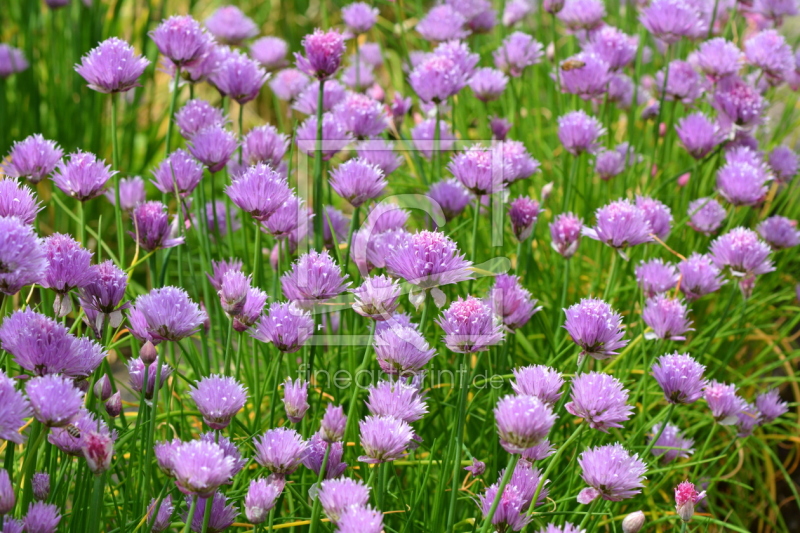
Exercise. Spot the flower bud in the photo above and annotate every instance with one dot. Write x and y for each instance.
(633, 522)
(148, 353)
(686, 496)
(41, 485)
(114, 405)
(98, 449)
(7, 498)
(102, 388)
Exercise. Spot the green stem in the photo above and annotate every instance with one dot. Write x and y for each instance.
(474, 242)
(192, 508)
(152, 430)
(702, 453)
(115, 164)
(660, 431)
(512, 465)
(81, 223)
(318, 219)
(316, 508)
(353, 226)
(351, 409)
(171, 122)
(436, 142)
(461, 416)
(553, 462)
(96, 509)
(258, 256)
(241, 131)
(228, 341)
(207, 510)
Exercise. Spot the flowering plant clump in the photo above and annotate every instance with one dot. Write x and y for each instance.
(386, 267)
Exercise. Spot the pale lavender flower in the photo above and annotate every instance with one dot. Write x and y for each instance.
(218, 399)
(671, 444)
(289, 83)
(200, 466)
(600, 399)
(23, 260)
(162, 520)
(196, 115)
(333, 424)
(384, 439)
(667, 317)
(442, 23)
(259, 191)
(213, 146)
(657, 215)
(261, 497)
(285, 325)
(401, 349)
(738, 102)
(470, 326)
(706, 215)
(164, 452)
(295, 399)
(613, 46)
(620, 90)
(136, 370)
(131, 193)
(522, 422)
(396, 400)
(770, 406)
(500, 128)
(361, 77)
(12, 525)
(565, 232)
(381, 154)
(67, 268)
(595, 328)
(338, 495)
(429, 259)
(55, 401)
(359, 17)
(14, 408)
(230, 25)
(743, 183)
(488, 84)
(779, 232)
(437, 78)
(451, 196)
(769, 51)
(83, 177)
(775, 10)
(38, 343)
(12, 60)
(181, 39)
(239, 77)
(477, 468)
(86, 422)
(41, 518)
(620, 224)
(112, 67)
(742, 252)
(578, 132)
(314, 278)
(33, 158)
(698, 134)
(308, 100)
(783, 162)
(582, 14)
(475, 168)
(611, 473)
(251, 311)
(717, 58)
(609, 163)
(264, 144)
(220, 268)
(515, 11)
(699, 276)
(270, 51)
(511, 301)
(177, 172)
(517, 163)
(358, 181)
(221, 516)
(152, 228)
(423, 137)
(356, 519)
(680, 376)
(747, 420)
(517, 52)
(723, 401)
(683, 83)
(670, 20)
(102, 297)
(334, 136)
(376, 298)
(165, 314)
(587, 81)
(512, 511)
(656, 277)
(324, 51)
(539, 381)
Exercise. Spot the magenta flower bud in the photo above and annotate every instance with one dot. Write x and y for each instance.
(56, 402)
(152, 228)
(102, 388)
(33, 158)
(41, 518)
(218, 399)
(324, 51)
(83, 177)
(582, 14)
(579, 132)
(165, 314)
(511, 301)
(442, 23)
(565, 232)
(470, 326)
(261, 497)
(178, 172)
(595, 328)
(114, 405)
(724, 403)
(131, 193)
(148, 353)
(523, 213)
(384, 439)
(600, 400)
(270, 51)
(213, 146)
(522, 422)
(295, 399)
(200, 467)
(779, 232)
(41, 485)
(338, 495)
(670, 20)
(686, 497)
(239, 77)
(656, 277)
(611, 472)
(112, 67)
(98, 449)
(230, 25)
(280, 450)
(182, 40)
(396, 400)
(12, 60)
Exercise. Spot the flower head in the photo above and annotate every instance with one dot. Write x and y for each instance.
(743, 183)
(230, 25)
(112, 67)
(429, 259)
(511, 301)
(165, 314)
(12, 60)
(136, 370)
(620, 224)
(742, 253)
(600, 399)
(522, 422)
(221, 515)
(131, 193)
(698, 134)
(783, 162)
(770, 406)
(686, 497)
(402, 350)
(218, 399)
(358, 181)
(596, 328)
(32, 158)
(102, 297)
(442, 23)
(261, 497)
(579, 132)
(14, 408)
(41, 518)
(384, 439)
(437, 78)
(295, 399)
(613, 46)
(98, 450)
(611, 473)
(334, 136)
(182, 40)
(239, 77)
(671, 444)
(717, 58)
(670, 20)
(338, 495)
(517, 52)
(706, 215)
(55, 401)
(359, 17)
(657, 215)
(324, 51)
(609, 163)
(288, 84)
(478, 170)
(680, 376)
(582, 14)
(179, 171)
(271, 52)
(590, 80)
(451, 196)
(280, 450)
(539, 381)
(68, 265)
(396, 400)
(200, 466)
(738, 102)
(259, 191)
(423, 137)
(314, 278)
(357, 519)
(152, 228)
(470, 326)
(83, 177)
(723, 401)
(656, 277)
(769, 51)
(285, 325)
(40, 482)
(488, 84)
(667, 317)
(779, 232)
(565, 232)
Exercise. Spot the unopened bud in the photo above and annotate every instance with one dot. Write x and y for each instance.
(114, 405)
(633, 522)
(41, 485)
(148, 353)
(686, 496)
(102, 388)
(7, 498)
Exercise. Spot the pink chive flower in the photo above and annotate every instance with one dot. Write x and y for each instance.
(334, 136)
(656, 277)
(280, 450)
(358, 182)
(686, 497)
(517, 52)
(396, 400)
(165, 314)
(83, 176)
(384, 439)
(14, 409)
(470, 326)
(769, 51)
(54, 399)
(230, 25)
(239, 77)
(152, 228)
(539, 381)
(699, 276)
(582, 14)
(429, 259)
(451, 196)
(376, 298)
(667, 317)
(12, 60)
(313, 278)
(588, 81)
(259, 191)
(742, 253)
(200, 467)
(361, 115)
(488, 84)
(179, 171)
(338, 495)
(578, 132)
(522, 422)
(783, 162)
(706, 215)
(600, 399)
(22, 256)
(698, 134)
(182, 40)
(324, 51)
(288, 84)
(770, 406)
(657, 215)
(565, 232)
(218, 399)
(511, 301)
(442, 23)
(295, 399)
(671, 444)
(270, 51)
(717, 58)
(613, 46)
(308, 100)
(402, 350)
(779, 232)
(213, 146)
(359, 17)
(724, 403)
(131, 193)
(196, 115)
(671, 20)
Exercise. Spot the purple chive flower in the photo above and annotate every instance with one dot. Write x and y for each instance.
(657, 215)
(539, 381)
(699, 276)
(779, 232)
(670, 20)
(358, 181)
(165, 314)
(38, 343)
(396, 400)
(264, 144)
(588, 81)
(769, 51)
(402, 350)
(41, 518)
(12, 60)
(620, 91)
(738, 102)
(723, 401)
(600, 399)
(85, 423)
(437, 78)
(67, 268)
(334, 136)
(23, 260)
(582, 14)
(698, 134)
(333, 424)
(621, 224)
(177, 172)
(783, 162)
(230, 25)
(162, 520)
(770, 406)
(14, 408)
(286, 326)
(165, 455)
(442, 23)
(429, 259)
(200, 466)
(221, 268)
(357, 519)
(228, 448)
(338, 495)
(515, 11)
(477, 468)
(478, 170)
(613, 46)
(680, 376)
(131, 193)
(517, 497)
(686, 497)
(289, 83)
(40, 482)
(683, 84)
(55, 401)
(380, 154)
(280, 450)
(611, 473)
(523, 213)
(286, 219)
(706, 215)
(511, 301)
(314, 278)
(270, 51)
(359, 17)
(517, 162)
(470, 326)
(239, 77)
(196, 115)
(488, 84)
(656, 277)
(102, 297)
(259, 191)
(609, 163)
(295, 399)
(261, 497)
(114, 405)
(308, 100)
(517, 52)
(384, 439)
(423, 137)
(324, 51)
(218, 399)
(747, 420)
(32, 158)
(201, 69)
(742, 183)
(112, 67)
(181, 39)
(742, 252)
(578, 132)
(671, 444)
(451, 196)
(12, 525)
(596, 328)
(376, 298)
(152, 228)
(213, 146)
(667, 317)
(251, 311)
(500, 128)
(565, 232)
(83, 177)
(221, 516)
(717, 58)
(136, 369)
(522, 422)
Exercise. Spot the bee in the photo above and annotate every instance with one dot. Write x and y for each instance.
(73, 431)
(572, 64)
